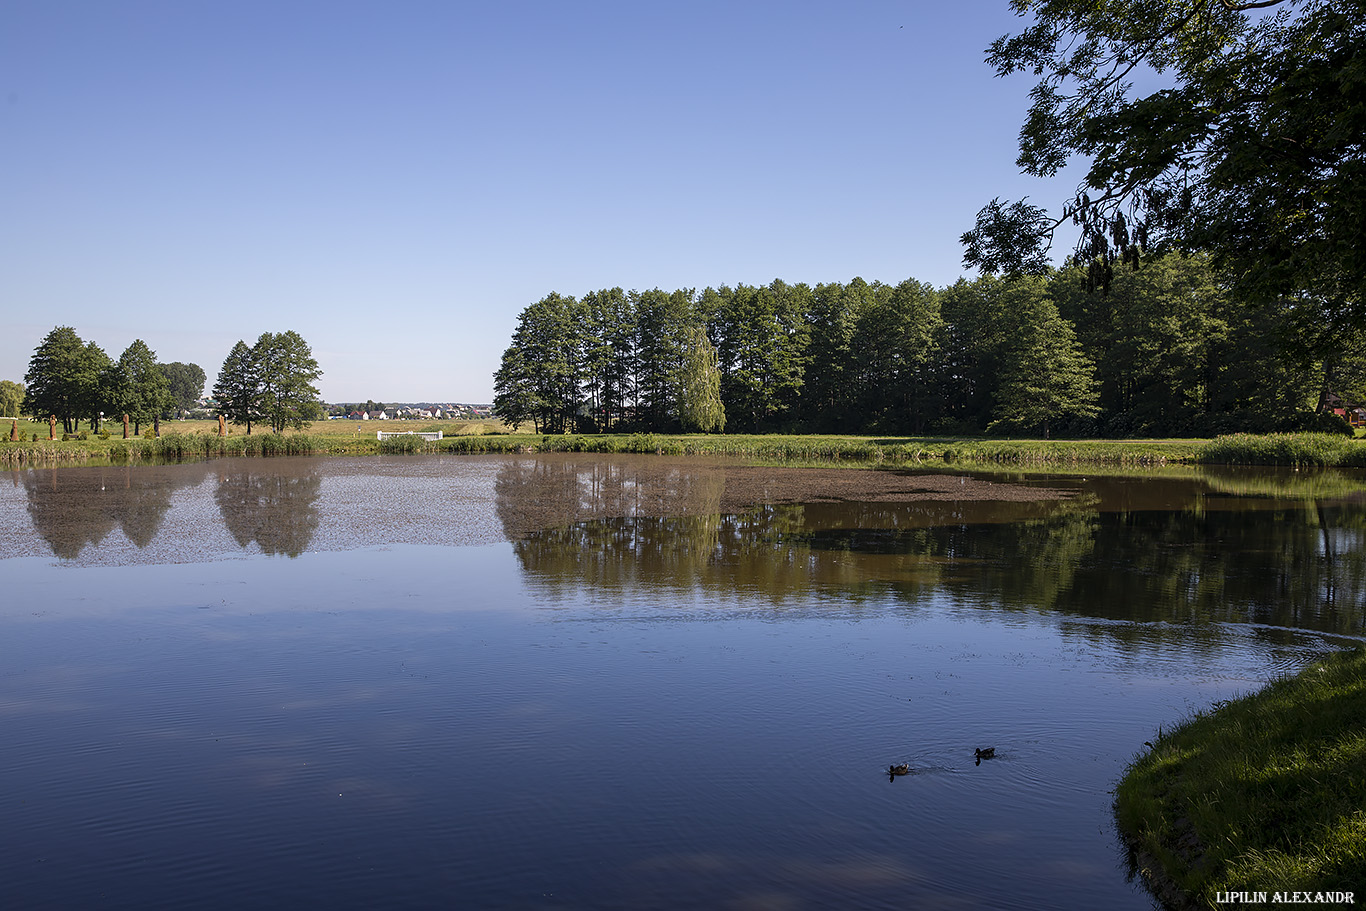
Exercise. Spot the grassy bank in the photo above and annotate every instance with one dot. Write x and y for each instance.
(199, 439)
(1265, 793)
(852, 449)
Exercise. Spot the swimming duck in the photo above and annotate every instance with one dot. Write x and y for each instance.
(988, 753)
(903, 769)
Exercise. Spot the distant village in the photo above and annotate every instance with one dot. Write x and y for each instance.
(207, 408)
(415, 411)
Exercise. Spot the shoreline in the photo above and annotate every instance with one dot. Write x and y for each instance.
(192, 442)
(1259, 795)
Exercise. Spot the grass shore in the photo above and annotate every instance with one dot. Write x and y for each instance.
(199, 439)
(1263, 794)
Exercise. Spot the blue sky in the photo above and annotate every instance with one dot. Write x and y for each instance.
(397, 180)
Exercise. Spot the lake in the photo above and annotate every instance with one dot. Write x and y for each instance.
(624, 682)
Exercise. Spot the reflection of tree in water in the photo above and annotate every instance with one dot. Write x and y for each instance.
(546, 493)
(1266, 566)
(275, 509)
(74, 508)
(1297, 566)
(776, 550)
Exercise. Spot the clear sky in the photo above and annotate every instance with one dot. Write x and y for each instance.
(396, 180)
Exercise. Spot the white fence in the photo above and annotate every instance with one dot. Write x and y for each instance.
(384, 434)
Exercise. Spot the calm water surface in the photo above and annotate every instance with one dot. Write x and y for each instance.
(512, 682)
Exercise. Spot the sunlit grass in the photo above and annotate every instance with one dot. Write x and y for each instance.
(1263, 793)
(201, 439)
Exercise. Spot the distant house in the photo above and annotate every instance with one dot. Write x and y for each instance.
(1349, 411)
(376, 416)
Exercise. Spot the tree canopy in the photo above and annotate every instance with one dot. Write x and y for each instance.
(288, 371)
(135, 385)
(237, 391)
(1252, 147)
(63, 379)
(1167, 351)
(11, 398)
(185, 383)
(699, 386)
(271, 382)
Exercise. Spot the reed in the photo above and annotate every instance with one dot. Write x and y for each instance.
(1287, 449)
(860, 451)
(1291, 450)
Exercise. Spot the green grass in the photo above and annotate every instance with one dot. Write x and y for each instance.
(860, 450)
(1264, 793)
(1289, 449)
(199, 439)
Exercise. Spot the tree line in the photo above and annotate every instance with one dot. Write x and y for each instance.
(74, 380)
(1164, 350)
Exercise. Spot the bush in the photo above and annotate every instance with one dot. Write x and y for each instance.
(1322, 422)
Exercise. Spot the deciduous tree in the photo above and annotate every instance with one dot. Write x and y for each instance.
(287, 371)
(63, 379)
(1251, 145)
(11, 398)
(186, 385)
(699, 393)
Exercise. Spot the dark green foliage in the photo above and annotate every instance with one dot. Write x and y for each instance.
(1251, 146)
(136, 386)
(539, 379)
(608, 321)
(1045, 378)
(63, 379)
(828, 395)
(185, 382)
(1168, 351)
(762, 337)
(238, 389)
(270, 382)
(896, 340)
(663, 322)
(287, 372)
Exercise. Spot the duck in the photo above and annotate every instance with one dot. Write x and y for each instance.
(988, 753)
(903, 769)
